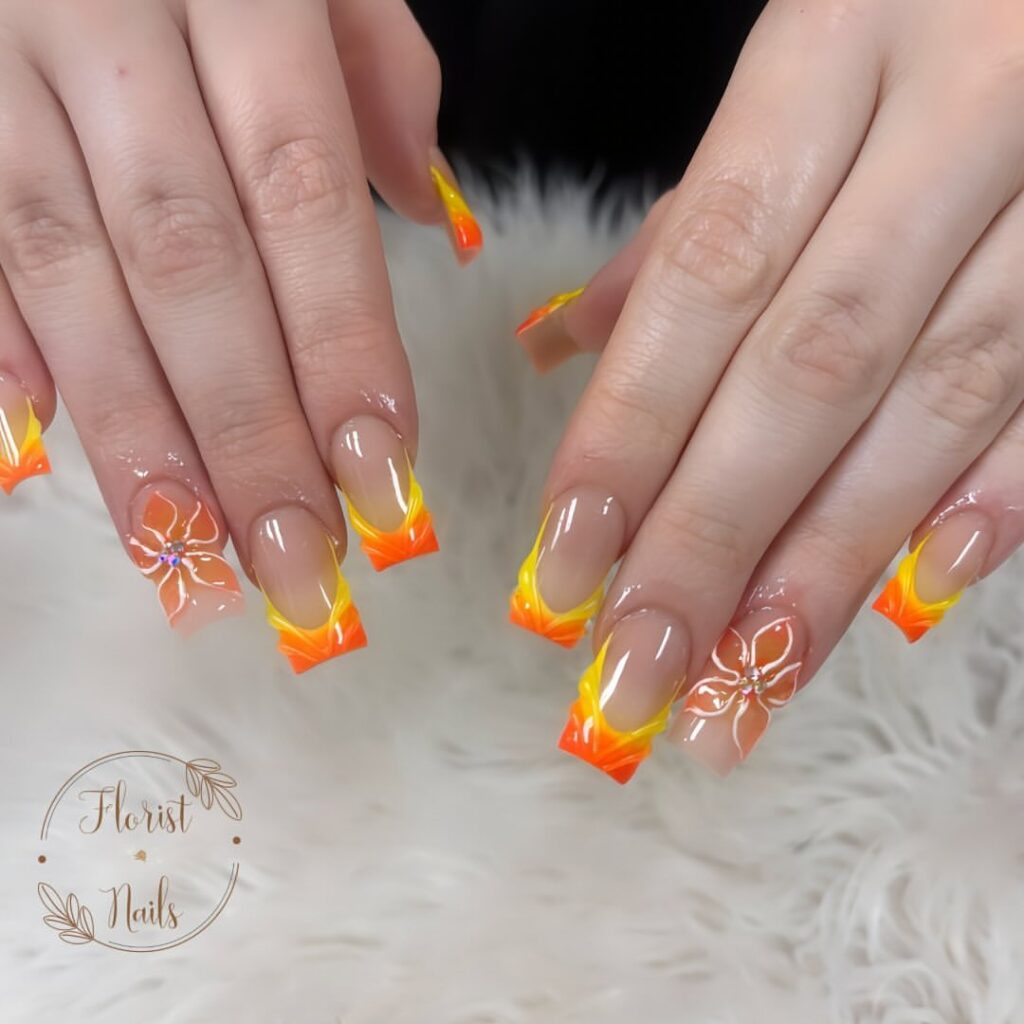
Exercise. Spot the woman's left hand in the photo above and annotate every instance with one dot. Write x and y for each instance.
(821, 353)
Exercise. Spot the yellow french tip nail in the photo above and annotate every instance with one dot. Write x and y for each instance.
(528, 609)
(588, 736)
(553, 305)
(466, 237)
(22, 452)
(900, 604)
(306, 648)
(415, 537)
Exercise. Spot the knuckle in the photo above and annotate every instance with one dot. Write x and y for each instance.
(628, 406)
(970, 379)
(247, 428)
(42, 240)
(828, 349)
(180, 242)
(720, 245)
(320, 336)
(300, 179)
(704, 533)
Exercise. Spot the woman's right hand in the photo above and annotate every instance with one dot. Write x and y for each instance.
(188, 249)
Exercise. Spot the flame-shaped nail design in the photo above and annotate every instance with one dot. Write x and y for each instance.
(20, 460)
(899, 602)
(306, 648)
(588, 735)
(413, 538)
(553, 305)
(467, 238)
(528, 609)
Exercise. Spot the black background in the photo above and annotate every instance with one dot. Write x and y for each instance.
(608, 90)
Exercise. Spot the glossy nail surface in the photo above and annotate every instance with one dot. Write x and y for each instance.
(385, 501)
(561, 582)
(177, 543)
(932, 578)
(754, 670)
(308, 600)
(543, 335)
(466, 237)
(22, 453)
(625, 695)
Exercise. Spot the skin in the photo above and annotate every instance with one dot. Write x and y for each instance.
(188, 246)
(814, 347)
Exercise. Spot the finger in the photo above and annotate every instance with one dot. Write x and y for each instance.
(961, 383)
(814, 367)
(291, 145)
(393, 78)
(582, 320)
(27, 399)
(56, 255)
(769, 165)
(197, 282)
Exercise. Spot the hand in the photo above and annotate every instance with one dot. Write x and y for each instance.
(188, 246)
(821, 352)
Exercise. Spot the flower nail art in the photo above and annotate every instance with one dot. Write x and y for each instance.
(413, 538)
(179, 548)
(589, 736)
(746, 682)
(22, 453)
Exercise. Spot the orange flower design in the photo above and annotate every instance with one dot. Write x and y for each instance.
(180, 552)
(753, 679)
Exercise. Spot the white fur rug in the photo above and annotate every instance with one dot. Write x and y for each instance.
(417, 851)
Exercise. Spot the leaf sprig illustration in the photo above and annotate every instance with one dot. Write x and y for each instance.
(71, 919)
(209, 784)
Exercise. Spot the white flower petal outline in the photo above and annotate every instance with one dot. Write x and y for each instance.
(787, 622)
(744, 655)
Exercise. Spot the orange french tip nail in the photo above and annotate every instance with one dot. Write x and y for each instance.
(900, 604)
(588, 736)
(413, 539)
(25, 460)
(306, 648)
(528, 610)
(541, 313)
(464, 229)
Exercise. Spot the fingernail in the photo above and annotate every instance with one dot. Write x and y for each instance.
(561, 582)
(543, 335)
(932, 578)
(466, 237)
(308, 600)
(626, 694)
(22, 453)
(177, 543)
(753, 671)
(385, 501)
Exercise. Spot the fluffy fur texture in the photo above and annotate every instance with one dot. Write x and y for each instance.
(418, 852)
